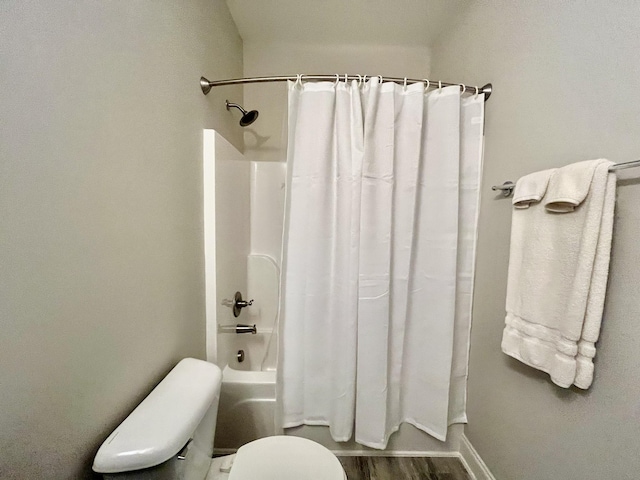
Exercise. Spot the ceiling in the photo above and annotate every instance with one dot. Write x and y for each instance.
(367, 22)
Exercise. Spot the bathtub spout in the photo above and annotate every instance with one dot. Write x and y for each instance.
(246, 329)
(239, 328)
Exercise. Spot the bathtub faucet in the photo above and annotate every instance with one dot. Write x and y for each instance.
(246, 329)
(239, 328)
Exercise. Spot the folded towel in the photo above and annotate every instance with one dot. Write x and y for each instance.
(558, 271)
(570, 186)
(531, 188)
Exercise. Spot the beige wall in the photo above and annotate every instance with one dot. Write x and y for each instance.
(566, 89)
(101, 261)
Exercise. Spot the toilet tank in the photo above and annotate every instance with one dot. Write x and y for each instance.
(170, 434)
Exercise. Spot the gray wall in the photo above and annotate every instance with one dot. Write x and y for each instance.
(101, 246)
(566, 89)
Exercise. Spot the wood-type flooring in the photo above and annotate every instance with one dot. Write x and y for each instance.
(404, 468)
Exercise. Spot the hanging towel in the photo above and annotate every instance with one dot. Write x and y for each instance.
(558, 271)
(531, 188)
(571, 186)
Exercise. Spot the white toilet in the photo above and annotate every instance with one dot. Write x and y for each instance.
(170, 436)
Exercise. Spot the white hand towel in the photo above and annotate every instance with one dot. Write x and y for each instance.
(570, 186)
(557, 276)
(531, 188)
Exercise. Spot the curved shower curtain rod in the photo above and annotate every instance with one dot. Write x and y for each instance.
(206, 85)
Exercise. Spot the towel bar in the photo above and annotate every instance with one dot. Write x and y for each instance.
(507, 187)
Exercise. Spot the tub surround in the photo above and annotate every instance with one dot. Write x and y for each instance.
(226, 241)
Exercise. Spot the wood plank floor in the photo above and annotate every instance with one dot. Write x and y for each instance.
(404, 468)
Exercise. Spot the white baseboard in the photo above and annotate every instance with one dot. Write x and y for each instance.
(473, 462)
(392, 453)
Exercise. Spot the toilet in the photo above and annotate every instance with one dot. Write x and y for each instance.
(169, 436)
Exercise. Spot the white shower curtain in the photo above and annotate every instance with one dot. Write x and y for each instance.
(379, 242)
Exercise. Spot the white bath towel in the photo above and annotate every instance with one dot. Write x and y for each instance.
(531, 188)
(558, 273)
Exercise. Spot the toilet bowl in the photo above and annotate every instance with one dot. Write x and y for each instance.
(169, 436)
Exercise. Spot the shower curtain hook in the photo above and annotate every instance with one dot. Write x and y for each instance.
(463, 87)
(346, 78)
(299, 79)
(404, 86)
(337, 80)
(428, 83)
(380, 77)
(477, 90)
(439, 86)
(359, 80)
(364, 79)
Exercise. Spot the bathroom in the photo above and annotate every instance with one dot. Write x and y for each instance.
(102, 201)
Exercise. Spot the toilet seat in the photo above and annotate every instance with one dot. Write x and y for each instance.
(285, 458)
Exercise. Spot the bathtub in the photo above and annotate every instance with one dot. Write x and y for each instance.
(248, 394)
(247, 408)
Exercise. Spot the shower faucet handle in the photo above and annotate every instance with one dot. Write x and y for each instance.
(239, 304)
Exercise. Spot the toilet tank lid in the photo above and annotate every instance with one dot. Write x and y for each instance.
(163, 423)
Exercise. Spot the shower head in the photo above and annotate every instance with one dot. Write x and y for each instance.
(247, 117)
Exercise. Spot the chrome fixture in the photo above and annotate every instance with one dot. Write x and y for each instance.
(182, 454)
(240, 356)
(507, 187)
(239, 304)
(247, 117)
(246, 329)
(624, 165)
(206, 85)
(238, 329)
